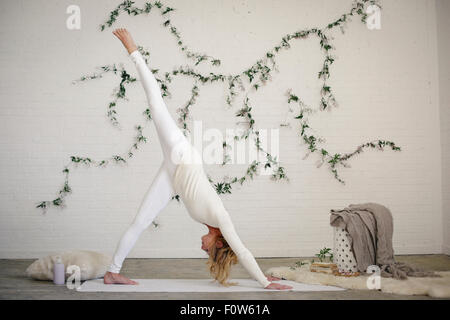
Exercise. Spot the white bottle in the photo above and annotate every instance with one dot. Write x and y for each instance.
(58, 271)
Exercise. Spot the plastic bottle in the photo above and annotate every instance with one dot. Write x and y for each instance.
(58, 271)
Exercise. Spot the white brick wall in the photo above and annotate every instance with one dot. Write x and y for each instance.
(386, 82)
(443, 10)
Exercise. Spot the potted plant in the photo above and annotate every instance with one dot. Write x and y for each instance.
(325, 263)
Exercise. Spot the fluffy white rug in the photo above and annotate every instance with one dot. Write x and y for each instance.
(92, 264)
(433, 287)
(194, 285)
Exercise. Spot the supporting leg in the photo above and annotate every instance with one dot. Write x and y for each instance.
(157, 197)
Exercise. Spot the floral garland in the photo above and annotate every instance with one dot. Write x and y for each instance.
(256, 76)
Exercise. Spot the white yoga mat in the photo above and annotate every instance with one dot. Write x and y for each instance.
(195, 285)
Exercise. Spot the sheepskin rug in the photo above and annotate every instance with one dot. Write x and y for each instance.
(438, 287)
(92, 265)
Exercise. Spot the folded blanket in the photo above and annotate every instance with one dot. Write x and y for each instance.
(371, 228)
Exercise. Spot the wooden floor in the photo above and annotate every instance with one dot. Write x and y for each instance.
(15, 285)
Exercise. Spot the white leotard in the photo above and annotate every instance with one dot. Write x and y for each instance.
(180, 173)
(205, 206)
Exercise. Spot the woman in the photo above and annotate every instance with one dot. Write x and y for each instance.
(182, 173)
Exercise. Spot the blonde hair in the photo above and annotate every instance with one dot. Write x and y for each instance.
(220, 262)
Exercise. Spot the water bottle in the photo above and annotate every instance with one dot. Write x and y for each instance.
(58, 271)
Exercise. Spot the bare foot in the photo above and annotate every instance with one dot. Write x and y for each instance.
(126, 39)
(116, 278)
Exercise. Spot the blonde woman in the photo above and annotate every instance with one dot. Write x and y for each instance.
(182, 173)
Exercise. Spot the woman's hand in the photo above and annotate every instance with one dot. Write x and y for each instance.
(277, 286)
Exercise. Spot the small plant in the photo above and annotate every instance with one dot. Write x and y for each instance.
(324, 255)
(299, 264)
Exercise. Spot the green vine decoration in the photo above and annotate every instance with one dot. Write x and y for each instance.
(75, 161)
(249, 80)
(311, 141)
(324, 255)
(184, 113)
(128, 7)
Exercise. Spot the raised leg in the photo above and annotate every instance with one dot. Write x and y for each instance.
(172, 139)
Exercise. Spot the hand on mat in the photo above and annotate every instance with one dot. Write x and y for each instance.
(270, 278)
(277, 286)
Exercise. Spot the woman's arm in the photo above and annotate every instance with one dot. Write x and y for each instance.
(244, 255)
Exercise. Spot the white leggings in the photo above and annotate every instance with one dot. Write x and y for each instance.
(173, 143)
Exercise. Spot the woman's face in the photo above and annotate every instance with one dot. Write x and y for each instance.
(208, 240)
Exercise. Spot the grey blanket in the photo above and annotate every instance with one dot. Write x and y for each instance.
(370, 226)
